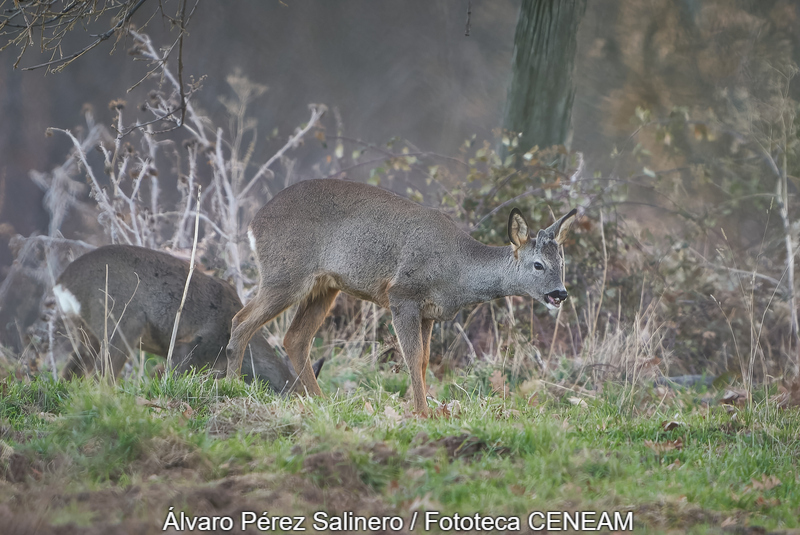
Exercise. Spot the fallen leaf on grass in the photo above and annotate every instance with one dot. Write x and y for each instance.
(730, 521)
(766, 483)
(186, 410)
(763, 502)
(448, 410)
(669, 426)
(662, 447)
(519, 490)
(368, 408)
(788, 394)
(734, 397)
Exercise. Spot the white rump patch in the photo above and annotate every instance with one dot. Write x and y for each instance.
(67, 302)
(252, 239)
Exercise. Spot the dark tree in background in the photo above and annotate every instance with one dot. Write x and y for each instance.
(539, 103)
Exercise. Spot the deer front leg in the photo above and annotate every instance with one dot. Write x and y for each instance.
(408, 326)
(427, 329)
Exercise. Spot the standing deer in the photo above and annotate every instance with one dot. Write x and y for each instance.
(144, 290)
(319, 237)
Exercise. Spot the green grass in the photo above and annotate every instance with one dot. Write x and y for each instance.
(519, 455)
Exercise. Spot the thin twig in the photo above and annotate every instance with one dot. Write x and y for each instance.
(186, 287)
(102, 37)
(316, 113)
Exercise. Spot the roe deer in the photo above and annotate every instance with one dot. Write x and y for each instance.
(319, 237)
(144, 290)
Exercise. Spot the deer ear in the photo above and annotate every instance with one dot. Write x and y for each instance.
(517, 228)
(560, 228)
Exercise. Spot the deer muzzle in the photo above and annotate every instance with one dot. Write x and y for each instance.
(555, 298)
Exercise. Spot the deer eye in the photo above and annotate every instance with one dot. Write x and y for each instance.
(538, 266)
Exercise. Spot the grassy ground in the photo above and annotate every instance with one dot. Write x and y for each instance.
(84, 458)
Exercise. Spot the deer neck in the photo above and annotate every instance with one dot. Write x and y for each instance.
(490, 272)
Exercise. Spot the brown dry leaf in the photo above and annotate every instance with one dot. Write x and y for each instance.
(662, 447)
(766, 483)
(763, 502)
(448, 410)
(669, 426)
(498, 382)
(519, 490)
(730, 521)
(734, 397)
(187, 411)
(393, 486)
(788, 394)
(368, 408)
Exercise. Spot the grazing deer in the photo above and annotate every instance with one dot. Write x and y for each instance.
(144, 290)
(319, 237)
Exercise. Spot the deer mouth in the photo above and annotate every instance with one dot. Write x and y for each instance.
(554, 299)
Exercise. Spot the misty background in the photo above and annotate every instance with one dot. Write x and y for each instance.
(402, 69)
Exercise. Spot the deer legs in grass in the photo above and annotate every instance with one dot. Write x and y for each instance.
(300, 335)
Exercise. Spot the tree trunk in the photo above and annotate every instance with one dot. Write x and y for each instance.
(539, 103)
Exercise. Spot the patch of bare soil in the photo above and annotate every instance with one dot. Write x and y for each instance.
(328, 482)
(680, 515)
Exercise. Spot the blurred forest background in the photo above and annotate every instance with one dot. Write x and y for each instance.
(682, 158)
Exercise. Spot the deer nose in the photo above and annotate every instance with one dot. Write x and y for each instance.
(559, 294)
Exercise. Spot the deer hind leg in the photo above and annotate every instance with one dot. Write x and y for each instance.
(297, 341)
(260, 310)
(427, 329)
(408, 326)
